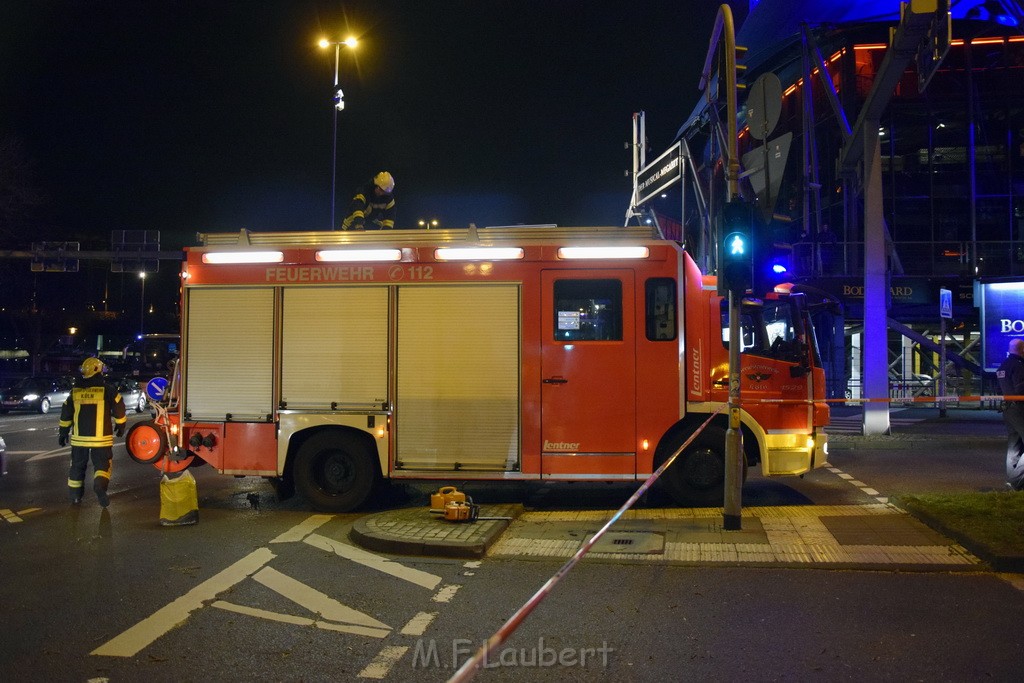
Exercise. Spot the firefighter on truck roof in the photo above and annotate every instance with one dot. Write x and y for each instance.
(373, 206)
(86, 418)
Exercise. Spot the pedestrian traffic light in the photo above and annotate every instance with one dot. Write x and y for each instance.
(735, 249)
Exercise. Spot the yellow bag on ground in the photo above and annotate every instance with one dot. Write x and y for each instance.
(179, 500)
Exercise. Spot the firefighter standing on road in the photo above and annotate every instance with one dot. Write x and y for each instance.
(373, 206)
(86, 417)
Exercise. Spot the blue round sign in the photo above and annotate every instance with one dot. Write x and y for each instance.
(156, 388)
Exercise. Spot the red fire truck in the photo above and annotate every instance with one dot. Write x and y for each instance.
(330, 361)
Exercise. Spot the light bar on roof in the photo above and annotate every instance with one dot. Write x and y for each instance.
(603, 252)
(243, 257)
(359, 255)
(478, 253)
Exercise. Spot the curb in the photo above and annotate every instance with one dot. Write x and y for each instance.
(999, 563)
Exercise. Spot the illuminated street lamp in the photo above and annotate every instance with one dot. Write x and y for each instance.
(339, 104)
(432, 224)
(142, 303)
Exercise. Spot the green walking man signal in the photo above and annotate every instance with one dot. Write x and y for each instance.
(735, 249)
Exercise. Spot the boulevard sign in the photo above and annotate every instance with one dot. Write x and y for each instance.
(1002, 319)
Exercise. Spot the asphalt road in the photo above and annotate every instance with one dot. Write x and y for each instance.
(273, 591)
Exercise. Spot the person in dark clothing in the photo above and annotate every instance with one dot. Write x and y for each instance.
(86, 417)
(1011, 383)
(373, 206)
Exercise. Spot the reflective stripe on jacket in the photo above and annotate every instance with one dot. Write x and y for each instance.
(88, 413)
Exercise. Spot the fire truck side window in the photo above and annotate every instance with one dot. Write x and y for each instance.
(661, 309)
(588, 310)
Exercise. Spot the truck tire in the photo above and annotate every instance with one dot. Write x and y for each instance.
(334, 472)
(697, 477)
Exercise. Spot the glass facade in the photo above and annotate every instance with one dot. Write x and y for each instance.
(952, 161)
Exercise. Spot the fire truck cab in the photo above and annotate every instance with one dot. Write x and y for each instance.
(335, 360)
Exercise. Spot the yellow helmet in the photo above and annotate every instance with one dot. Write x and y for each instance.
(92, 366)
(385, 181)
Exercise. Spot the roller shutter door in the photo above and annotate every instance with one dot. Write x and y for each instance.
(335, 347)
(457, 405)
(230, 349)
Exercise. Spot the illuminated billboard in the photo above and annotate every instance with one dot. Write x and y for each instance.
(1002, 319)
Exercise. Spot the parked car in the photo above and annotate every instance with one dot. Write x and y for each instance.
(133, 396)
(35, 393)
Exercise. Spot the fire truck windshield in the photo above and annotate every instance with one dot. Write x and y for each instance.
(772, 329)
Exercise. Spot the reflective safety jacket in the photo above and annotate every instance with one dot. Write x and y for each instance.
(370, 211)
(88, 410)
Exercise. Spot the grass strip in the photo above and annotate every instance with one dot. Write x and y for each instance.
(990, 524)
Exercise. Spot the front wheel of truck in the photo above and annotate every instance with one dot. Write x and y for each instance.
(334, 472)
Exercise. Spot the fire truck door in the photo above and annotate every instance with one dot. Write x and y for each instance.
(588, 375)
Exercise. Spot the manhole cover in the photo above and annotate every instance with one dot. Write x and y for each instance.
(644, 542)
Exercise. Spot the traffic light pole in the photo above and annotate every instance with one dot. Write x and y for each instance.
(732, 513)
(723, 37)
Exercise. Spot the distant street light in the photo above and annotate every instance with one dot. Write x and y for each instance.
(142, 304)
(433, 223)
(339, 104)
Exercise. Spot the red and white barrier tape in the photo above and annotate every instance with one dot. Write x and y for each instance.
(472, 665)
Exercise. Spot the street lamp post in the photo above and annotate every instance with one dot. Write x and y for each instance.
(339, 104)
(142, 304)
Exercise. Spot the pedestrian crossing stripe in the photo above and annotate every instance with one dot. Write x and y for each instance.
(852, 424)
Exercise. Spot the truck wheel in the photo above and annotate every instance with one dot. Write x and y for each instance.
(697, 477)
(334, 472)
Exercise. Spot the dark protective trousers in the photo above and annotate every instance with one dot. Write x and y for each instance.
(1013, 416)
(101, 462)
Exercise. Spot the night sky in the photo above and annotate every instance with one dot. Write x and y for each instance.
(185, 116)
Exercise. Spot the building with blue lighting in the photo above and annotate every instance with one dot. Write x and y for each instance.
(950, 134)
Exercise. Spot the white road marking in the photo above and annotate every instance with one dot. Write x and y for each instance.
(382, 663)
(15, 517)
(445, 594)
(63, 450)
(417, 626)
(381, 564)
(301, 621)
(303, 529)
(474, 564)
(1015, 580)
(10, 516)
(313, 600)
(130, 642)
(867, 490)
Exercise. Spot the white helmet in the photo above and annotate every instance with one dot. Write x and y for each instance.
(385, 181)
